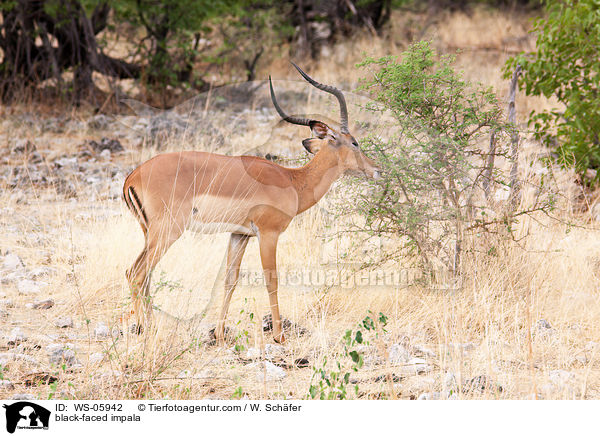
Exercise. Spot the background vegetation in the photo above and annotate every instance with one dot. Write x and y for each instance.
(565, 65)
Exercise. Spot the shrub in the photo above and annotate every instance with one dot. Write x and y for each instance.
(438, 182)
(565, 65)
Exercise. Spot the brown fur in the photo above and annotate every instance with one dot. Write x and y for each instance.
(248, 196)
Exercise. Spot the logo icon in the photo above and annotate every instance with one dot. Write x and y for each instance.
(26, 415)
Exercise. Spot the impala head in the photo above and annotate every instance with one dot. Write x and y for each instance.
(328, 140)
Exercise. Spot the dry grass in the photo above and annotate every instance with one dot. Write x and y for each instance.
(490, 326)
(496, 312)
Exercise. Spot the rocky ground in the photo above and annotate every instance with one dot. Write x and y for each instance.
(63, 333)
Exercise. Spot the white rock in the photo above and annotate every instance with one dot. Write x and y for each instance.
(23, 145)
(12, 262)
(101, 331)
(398, 354)
(438, 396)
(96, 358)
(547, 389)
(253, 353)
(560, 377)
(6, 384)
(24, 397)
(417, 365)
(206, 373)
(271, 351)
(542, 324)
(370, 356)
(430, 396)
(7, 357)
(136, 141)
(63, 322)
(17, 335)
(543, 330)
(28, 287)
(422, 384)
(41, 271)
(43, 304)
(274, 350)
(109, 374)
(272, 372)
(580, 358)
(463, 347)
(501, 194)
(186, 373)
(450, 382)
(99, 122)
(6, 303)
(12, 277)
(422, 349)
(62, 353)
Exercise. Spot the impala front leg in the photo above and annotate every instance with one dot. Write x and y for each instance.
(268, 257)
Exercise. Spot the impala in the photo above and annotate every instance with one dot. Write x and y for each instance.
(244, 195)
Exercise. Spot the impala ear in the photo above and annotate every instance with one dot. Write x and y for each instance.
(312, 145)
(321, 130)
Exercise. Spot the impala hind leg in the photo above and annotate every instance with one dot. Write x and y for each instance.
(268, 257)
(138, 276)
(235, 252)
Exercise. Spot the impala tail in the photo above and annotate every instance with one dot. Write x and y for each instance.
(133, 203)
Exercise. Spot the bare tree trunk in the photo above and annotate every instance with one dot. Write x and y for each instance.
(303, 39)
(26, 63)
(51, 55)
(489, 166)
(515, 188)
(251, 65)
(366, 19)
(457, 249)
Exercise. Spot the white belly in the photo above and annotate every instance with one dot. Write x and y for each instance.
(211, 228)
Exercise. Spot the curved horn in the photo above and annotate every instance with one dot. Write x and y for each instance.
(330, 89)
(282, 114)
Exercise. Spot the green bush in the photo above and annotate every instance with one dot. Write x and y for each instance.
(440, 180)
(566, 65)
(442, 151)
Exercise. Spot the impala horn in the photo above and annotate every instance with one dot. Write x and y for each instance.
(282, 114)
(330, 89)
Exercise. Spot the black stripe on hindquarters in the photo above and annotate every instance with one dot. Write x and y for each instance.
(139, 205)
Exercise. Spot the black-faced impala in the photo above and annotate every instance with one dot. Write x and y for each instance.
(243, 195)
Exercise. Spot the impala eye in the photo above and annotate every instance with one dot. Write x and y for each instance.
(355, 144)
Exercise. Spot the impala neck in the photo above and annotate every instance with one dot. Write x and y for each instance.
(313, 180)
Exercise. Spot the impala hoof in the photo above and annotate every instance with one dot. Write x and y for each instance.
(212, 338)
(288, 326)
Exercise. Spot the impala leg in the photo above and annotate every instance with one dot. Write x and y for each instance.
(138, 277)
(268, 257)
(140, 272)
(235, 252)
